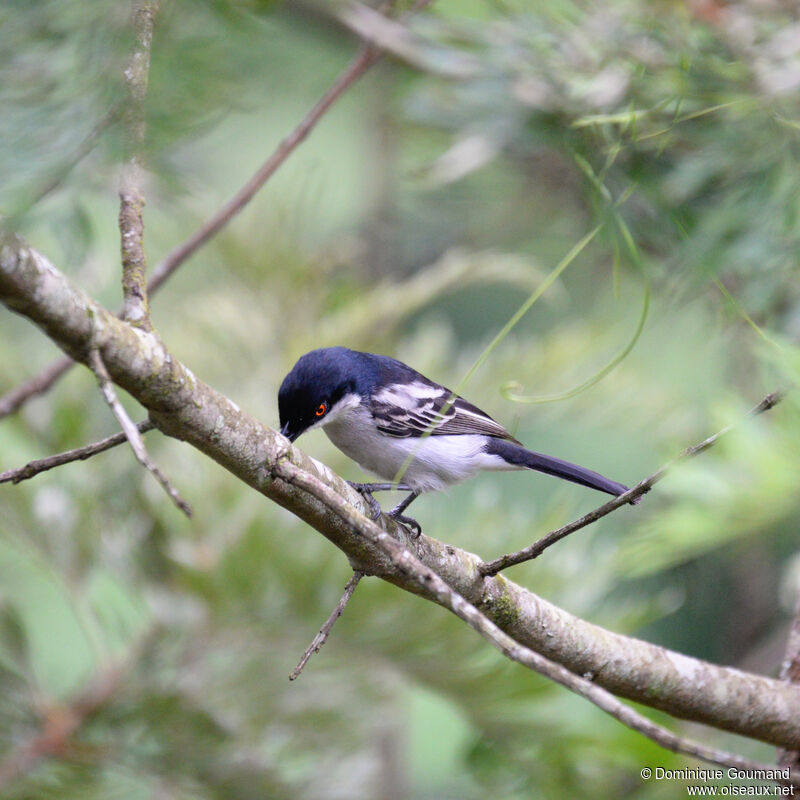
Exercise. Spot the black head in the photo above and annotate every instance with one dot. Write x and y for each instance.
(317, 382)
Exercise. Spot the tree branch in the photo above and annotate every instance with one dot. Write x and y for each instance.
(131, 198)
(38, 384)
(635, 492)
(182, 406)
(393, 37)
(131, 431)
(357, 67)
(327, 626)
(33, 468)
(790, 672)
(432, 585)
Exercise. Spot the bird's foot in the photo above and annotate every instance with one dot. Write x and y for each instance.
(414, 528)
(366, 490)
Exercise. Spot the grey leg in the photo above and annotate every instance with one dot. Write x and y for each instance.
(410, 522)
(366, 490)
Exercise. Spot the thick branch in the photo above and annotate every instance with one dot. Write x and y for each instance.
(184, 407)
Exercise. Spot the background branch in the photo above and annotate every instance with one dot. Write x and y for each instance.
(393, 37)
(57, 176)
(60, 723)
(38, 384)
(357, 67)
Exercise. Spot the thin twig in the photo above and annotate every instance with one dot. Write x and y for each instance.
(324, 631)
(357, 67)
(38, 384)
(131, 197)
(33, 468)
(366, 58)
(132, 431)
(633, 494)
(403, 560)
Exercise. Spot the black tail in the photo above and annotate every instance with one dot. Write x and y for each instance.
(518, 455)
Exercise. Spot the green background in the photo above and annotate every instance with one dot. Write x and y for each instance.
(415, 221)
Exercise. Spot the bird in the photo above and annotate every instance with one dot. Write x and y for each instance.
(416, 434)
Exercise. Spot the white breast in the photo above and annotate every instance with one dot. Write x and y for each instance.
(436, 461)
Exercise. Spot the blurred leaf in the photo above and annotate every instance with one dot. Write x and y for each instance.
(58, 648)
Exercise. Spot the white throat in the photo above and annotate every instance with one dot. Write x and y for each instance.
(340, 409)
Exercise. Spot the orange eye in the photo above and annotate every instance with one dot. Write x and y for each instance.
(321, 409)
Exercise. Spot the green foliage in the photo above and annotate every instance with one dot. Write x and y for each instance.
(415, 221)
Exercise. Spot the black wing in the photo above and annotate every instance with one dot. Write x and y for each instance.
(425, 408)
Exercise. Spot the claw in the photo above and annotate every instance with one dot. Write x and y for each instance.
(414, 528)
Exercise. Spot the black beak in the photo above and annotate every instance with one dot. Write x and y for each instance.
(285, 431)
